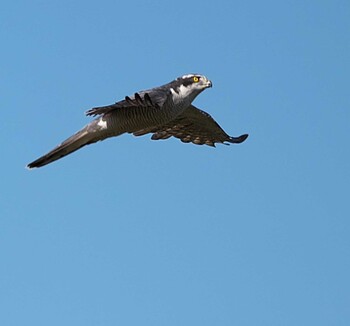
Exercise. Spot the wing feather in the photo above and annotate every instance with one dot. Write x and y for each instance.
(195, 126)
(146, 99)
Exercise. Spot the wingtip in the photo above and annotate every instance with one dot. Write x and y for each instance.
(243, 137)
(239, 139)
(31, 166)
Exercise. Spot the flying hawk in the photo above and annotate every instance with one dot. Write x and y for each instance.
(164, 111)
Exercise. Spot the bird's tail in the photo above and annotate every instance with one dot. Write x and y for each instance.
(70, 145)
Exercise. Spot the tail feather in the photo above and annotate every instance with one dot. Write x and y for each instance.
(70, 145)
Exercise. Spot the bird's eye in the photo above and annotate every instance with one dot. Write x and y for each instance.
(196, 79)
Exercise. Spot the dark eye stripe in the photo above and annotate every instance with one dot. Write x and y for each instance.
(190, 80)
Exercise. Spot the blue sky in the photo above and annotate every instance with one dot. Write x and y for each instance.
(131, 231)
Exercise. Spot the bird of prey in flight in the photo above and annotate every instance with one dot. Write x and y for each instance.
(164, 111)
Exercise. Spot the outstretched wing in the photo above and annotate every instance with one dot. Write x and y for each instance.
(153, 98)
(193, 125)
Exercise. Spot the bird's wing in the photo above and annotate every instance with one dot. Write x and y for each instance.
(153, 98)
(193, 125)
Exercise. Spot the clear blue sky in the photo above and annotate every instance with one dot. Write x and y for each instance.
(131, 231)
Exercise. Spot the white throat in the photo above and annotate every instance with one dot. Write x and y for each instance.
(183, 95)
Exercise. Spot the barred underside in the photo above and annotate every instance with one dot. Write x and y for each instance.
(133, 119)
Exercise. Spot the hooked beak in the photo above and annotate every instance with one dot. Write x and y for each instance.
(209, 83)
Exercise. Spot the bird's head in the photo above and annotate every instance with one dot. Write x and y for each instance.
(195, 81)
(189, 86)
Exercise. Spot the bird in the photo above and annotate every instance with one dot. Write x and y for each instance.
(163, 111)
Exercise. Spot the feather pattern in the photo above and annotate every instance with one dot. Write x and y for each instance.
(195, 126)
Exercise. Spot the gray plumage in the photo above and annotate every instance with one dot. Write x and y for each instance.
(164, 111)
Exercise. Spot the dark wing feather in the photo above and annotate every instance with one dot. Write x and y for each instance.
(193, 125)
(139, 100)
